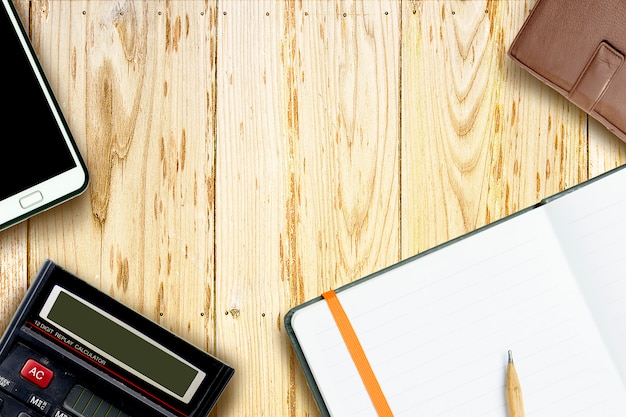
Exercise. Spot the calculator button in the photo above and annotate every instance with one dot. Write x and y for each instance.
(36, 373)
(39, 403)
(73, 396)
(5, 383)
(87, 404)
(93, 405)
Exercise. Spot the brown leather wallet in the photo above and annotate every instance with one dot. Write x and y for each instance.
(577, 47)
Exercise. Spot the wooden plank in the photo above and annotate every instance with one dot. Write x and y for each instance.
(13, 271)
(136, 81)
(606, 151)
(250, 196)
(307, 176)
(349, 131)
(251, 193)
(65, 233)
(481, 138)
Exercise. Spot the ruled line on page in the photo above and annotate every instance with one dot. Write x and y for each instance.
(425, 285)
(498, 294)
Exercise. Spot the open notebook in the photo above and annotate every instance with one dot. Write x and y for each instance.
(549, 283)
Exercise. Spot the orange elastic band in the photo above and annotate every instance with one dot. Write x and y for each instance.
(358, 355)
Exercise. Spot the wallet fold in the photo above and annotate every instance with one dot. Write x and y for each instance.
(578, 48)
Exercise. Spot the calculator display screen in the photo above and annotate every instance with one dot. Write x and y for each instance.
(120, 343)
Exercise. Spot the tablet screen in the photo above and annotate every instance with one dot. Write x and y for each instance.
(33, 148)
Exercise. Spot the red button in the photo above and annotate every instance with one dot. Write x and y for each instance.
(37, 373)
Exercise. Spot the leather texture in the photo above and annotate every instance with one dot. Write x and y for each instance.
(579, 48)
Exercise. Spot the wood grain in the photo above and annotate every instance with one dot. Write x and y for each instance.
(308, 163)
(247, 156)
(146, 129)
(481, 138)
(605, 150)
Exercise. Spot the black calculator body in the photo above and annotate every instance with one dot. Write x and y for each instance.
(73, 351)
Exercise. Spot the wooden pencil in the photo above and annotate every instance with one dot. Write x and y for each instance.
(514, 401)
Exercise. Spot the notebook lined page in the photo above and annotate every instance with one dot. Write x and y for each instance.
(592, 226)
(437, 330)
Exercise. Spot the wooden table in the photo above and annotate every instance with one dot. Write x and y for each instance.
(246, 156)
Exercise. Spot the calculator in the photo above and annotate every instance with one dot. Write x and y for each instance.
(74, 351)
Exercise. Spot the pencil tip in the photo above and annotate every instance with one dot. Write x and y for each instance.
(510, 356)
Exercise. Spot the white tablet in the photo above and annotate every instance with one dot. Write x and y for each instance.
(40, 165)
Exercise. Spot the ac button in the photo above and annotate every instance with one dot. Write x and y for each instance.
(36, 373)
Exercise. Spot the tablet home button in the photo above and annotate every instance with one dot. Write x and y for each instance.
(31, 199)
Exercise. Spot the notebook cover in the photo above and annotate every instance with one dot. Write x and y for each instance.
(578, 48)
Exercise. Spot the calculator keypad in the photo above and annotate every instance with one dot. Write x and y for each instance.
(30, 386)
